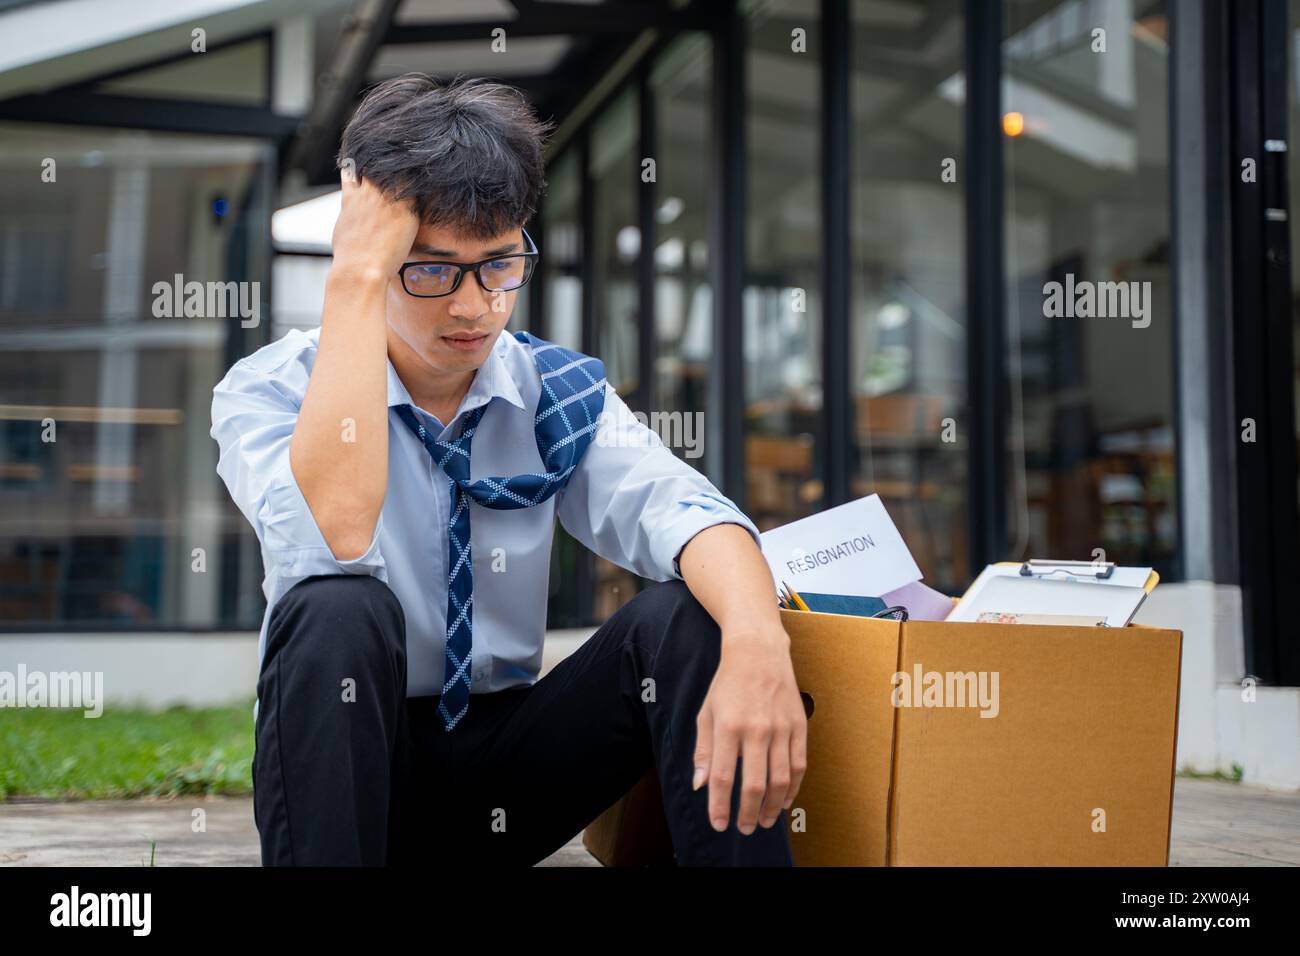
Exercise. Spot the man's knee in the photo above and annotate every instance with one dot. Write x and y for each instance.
(353, 613)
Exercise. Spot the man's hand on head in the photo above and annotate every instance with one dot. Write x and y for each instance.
(373, 234)
(339, 449)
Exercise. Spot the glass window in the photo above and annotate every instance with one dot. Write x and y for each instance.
(114, 514)
(561, 270)
(561, 249)
(782, 297)
(1089, 330)
(907, 298)
(681, 83)
(1293, 177)
(559, 239)
(615, 175)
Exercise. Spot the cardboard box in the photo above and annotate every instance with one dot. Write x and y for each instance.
(1073, 766)
(634, 831)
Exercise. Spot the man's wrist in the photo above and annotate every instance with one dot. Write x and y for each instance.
(757, 633)
(356, 275)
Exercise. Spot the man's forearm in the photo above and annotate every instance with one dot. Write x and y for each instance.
(339, 452)
(753, 712)
(728, 575)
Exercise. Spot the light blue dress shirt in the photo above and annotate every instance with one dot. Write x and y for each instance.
(631, 500)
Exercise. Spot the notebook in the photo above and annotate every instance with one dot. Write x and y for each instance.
(842, 603)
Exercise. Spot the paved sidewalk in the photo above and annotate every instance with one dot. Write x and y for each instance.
(117, 833)
(1228, 824)
(1215, 824)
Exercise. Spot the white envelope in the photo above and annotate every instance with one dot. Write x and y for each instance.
(850, 549)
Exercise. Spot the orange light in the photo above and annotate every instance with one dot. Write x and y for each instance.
(1013, 124)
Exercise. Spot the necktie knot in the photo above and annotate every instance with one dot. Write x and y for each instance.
(453, 456)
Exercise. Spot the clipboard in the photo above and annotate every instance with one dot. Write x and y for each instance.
(1100, 572)
(1057, 587)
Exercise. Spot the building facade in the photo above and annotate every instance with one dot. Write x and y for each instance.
(1023, 268)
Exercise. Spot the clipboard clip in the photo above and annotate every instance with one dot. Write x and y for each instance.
(1096, 570)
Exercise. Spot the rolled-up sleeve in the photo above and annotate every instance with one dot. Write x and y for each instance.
(254, 411)
(635, 503)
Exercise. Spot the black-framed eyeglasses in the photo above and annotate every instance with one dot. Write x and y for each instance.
(428, 280)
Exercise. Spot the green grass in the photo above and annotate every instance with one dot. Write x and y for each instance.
(61, 754)
(1238, 773)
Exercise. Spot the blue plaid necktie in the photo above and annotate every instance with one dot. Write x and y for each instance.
(573, 396)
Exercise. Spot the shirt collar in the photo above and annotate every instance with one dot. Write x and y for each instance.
(493, 380)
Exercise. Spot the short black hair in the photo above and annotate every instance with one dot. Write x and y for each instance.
(467, 153)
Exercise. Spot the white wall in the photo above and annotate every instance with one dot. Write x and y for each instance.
(150, 670)
(1217, 728)
(161, 670)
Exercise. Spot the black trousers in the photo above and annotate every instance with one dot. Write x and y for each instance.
(350, 771)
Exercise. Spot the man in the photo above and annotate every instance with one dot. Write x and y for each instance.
(403, 466)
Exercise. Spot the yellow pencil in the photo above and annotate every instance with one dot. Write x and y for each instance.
(794, 596)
